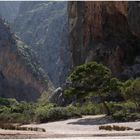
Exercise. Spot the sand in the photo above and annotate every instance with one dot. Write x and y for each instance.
(85, 127)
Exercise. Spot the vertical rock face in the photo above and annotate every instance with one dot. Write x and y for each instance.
(107, 32)
(21, 76)
(9, 10)
(43, 25)
(134, 17)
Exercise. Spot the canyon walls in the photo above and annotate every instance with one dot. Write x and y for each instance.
(44, 27)
(107, 32)
(21, 76)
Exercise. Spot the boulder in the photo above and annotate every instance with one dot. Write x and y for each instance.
(57, 97)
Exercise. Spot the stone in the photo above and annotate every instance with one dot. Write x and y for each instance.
(57, 97)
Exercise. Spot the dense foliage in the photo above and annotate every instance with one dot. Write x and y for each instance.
(96, 80)
(130, 108)
(22, 112)
(13, 111)
(88, 81)
(93, 78)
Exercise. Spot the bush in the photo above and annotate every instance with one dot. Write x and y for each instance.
(126, 107)
(15, 118)
(22, 112)
(124, 111)
(119, 116)
(7, 102)
(122, 116)
(16, 112)
(91, 108)
(49, 113)
(133, 116)
(73, 111)
(131, 91)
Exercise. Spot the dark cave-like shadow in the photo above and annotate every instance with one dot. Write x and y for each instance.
(93, 121)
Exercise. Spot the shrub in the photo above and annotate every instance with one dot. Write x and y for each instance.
(46, 113)
(131, 91)
(91, 108)
(7, 102)
(74, 111)
(23, 112)
(124, 111)
(126, 107)
(16, 112)
(133, 116)
(125, 116)
(120, 116)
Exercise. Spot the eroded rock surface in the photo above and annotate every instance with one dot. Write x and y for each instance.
(107, 32)
(21, 76)
(44, 26)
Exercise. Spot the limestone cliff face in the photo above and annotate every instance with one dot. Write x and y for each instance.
(21, 76)
(107, 32)
(43, 26)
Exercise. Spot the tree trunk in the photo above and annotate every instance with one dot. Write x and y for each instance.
(107, 108)
(105, 105)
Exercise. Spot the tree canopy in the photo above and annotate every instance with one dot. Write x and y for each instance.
(92, 77)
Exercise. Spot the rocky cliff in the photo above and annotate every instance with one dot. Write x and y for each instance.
(43, 26)
(107, 32)
(21, 76)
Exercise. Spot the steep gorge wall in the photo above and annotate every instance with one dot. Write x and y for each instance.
(107, 32)
(21, 76)
(43, 26)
